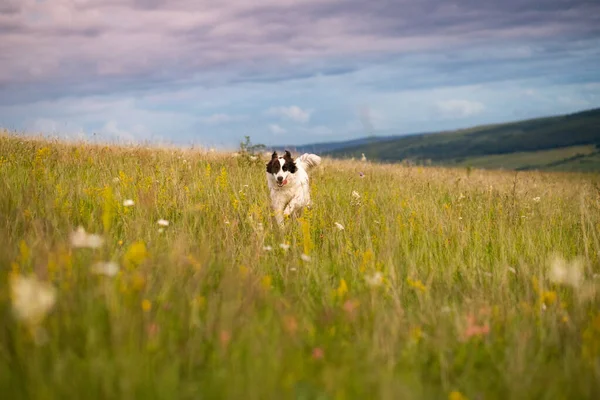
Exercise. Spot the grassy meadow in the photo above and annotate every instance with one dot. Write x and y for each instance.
(400, 283)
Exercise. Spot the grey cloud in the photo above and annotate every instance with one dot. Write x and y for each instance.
(415, 17)
(10, 26)
(58, 48)
(149, 4)
(9, 7)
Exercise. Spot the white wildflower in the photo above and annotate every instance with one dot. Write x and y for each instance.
(511, 269)
(31, 299)
(267, 248)
(461, 196)
(537, 199)
(284, 246)
(566, 273)
(339, 226)
(292, 269)
(116, 180)
(108, 268)
(374, 280)
(161, 230)
(80, 238)
(128, 203)
(305, 257)
(355, 194)
(363, 158)
(163, 222)
(253, 158)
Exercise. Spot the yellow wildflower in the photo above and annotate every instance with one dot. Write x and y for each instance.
(108, 210)
(138, 282)
(456, 395)
(194, 262)
(135, 254)
(146, 305)
(366, 260)
(24, 252)
(199, 302)
(417, 285)
(416, 334)
(222, 178)
(342, 289)
(266, 282)
(549, 297)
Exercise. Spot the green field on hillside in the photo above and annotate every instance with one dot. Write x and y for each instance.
(138, 273)
(492, 146)
(560, 159)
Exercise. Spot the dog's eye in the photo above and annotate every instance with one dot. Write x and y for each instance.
(284, 168)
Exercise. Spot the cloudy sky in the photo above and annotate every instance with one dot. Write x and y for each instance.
(290, 71)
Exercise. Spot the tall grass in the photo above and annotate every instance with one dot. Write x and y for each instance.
(438, 285)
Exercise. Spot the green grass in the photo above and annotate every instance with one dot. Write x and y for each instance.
(544, 159)
(201, 310)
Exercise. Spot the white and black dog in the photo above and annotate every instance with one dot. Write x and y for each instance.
(288, 183)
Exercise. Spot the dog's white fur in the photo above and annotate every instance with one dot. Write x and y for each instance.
(290, 191)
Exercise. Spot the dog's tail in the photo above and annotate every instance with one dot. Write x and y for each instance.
(309, 161)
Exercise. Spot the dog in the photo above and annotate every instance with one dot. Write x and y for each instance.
(288, 183)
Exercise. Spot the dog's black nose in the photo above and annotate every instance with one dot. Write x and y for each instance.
(279, 178)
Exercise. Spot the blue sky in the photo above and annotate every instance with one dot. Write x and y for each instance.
(290, 71)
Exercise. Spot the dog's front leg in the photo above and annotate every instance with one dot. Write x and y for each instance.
(278, 205)
(291, 208)
(279, 216)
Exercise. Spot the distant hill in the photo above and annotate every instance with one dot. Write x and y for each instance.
(331, 146)
(566, 142)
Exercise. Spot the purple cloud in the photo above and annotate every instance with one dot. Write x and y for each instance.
(135, 43)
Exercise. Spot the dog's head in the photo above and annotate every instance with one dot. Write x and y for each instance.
(281, 169)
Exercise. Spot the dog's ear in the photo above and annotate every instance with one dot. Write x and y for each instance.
(273, 165)
(290, 165)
